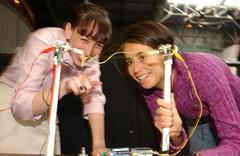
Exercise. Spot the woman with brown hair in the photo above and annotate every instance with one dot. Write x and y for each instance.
(210, 93)
(26, 83)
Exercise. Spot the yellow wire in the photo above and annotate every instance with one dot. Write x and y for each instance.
(153, 52)
(178, 56)
(92, 59)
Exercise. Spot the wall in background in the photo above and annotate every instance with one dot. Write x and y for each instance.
(13, 28)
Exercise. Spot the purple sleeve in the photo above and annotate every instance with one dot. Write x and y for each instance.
(184, 138)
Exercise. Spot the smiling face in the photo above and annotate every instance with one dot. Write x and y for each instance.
(90, 46)
(146, 69)
(88, 28)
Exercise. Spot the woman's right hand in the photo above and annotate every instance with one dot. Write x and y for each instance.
(167, 116)
(81, 84)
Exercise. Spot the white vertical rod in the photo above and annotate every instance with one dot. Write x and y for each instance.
(54, 104)
(167, 98)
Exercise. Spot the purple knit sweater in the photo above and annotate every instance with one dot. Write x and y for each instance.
(219, 91)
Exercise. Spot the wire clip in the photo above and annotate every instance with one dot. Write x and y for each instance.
(66, 47)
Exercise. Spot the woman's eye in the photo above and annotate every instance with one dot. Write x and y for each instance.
(142, 57)
(84, 40)
(100, 46)
(128, 62)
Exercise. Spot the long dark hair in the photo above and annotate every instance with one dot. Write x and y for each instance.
(86, 17)
(150, 33)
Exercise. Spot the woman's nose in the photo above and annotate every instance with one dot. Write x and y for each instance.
(137, 66)
(89, 49)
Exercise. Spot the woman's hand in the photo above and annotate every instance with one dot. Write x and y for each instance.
(79, 85)
(167, 116)
(100, 151)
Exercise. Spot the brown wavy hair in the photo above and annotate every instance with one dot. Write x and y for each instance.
(150, 33)
(86, 17)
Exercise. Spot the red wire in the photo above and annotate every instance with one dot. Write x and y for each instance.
(43, 52)
(48, 50)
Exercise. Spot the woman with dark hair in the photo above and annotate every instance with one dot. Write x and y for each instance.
(25, 85)
(203, 88)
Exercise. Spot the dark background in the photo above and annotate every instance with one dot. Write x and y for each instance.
(122, 12)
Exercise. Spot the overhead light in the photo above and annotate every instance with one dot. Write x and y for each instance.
(16, 1)
(188, 24)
